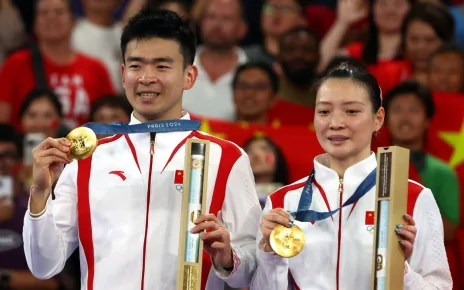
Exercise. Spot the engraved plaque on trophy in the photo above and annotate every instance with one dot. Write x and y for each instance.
(390, 207)
(193, 205)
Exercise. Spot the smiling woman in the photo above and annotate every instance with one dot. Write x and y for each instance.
(348, 112)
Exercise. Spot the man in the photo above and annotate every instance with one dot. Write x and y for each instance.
(277, 17)
(298, 58)
(255, 87)
(77, 79)
(97, 35)
(127, 218)
(14, 273)
(222, 27)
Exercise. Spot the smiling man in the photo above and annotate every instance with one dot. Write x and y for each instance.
(127, 218)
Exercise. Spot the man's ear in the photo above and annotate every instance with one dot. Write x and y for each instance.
(190, 76)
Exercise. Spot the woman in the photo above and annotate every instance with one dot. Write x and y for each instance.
(338, 250)
(383, 40)
(269, 167)
(427, 26)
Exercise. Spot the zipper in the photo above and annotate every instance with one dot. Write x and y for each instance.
(152, 152)
(340, 190)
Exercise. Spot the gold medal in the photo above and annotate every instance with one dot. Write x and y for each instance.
(287, 242)
(83, 143)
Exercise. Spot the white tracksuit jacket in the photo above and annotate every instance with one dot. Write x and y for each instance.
(122, 208)
(338, 250)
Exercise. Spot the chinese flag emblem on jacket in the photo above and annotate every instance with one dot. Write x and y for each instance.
(369, 217)
(179, 177)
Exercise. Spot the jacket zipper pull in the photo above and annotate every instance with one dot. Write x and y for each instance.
(340, 186)
(152, 143)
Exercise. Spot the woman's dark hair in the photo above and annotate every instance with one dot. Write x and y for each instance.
(370, 51)
(415, 88)
(271, 74)
(434, 14)
(38, 94)
(337, 60)
(112, 102)
(359, 75)
(281, 170)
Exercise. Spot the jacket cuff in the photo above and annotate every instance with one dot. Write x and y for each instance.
(223, 273)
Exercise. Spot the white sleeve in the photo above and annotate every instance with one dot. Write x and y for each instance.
(240, 213)
(50, 239)
(272, 272)
(428, 265)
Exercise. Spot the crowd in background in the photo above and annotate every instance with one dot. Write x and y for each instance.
(60, 67)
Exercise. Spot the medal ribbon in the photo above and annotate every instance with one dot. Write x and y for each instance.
(304, 214)
(157, 127)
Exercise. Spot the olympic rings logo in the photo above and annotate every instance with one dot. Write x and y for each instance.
(370, 229)
(179, 188)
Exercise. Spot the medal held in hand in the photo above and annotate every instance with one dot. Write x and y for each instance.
(289, 241)
(83, 143)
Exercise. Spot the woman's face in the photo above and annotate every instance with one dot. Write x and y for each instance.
(407, 120)
(40, 117)
(344, 119)
(420, 41)
(389, 14)
(262, 158)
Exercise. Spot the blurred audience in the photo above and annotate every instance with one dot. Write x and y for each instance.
(77, 79)
(181, 7)
(446, 70)
(298, 59)
(12, 31)
(98, 35)
(222, 26)
(409, 111)
(277, 17)
(110, 109)
(268, 164)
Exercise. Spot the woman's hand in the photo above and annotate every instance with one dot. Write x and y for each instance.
(269, 221)
(408, 233)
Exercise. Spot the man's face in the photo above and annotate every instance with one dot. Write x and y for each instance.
(110, 114)
(446, 73)
(222, 26)
(154, 78)
(253, 94)
(53, 21)
(298, 57)
(279, 16)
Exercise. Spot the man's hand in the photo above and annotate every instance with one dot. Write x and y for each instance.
(216, 240)
(49, 158)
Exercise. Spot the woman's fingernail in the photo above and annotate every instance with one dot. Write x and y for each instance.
(400, 226)
(400, 241)
(291, 218)
(407, 216)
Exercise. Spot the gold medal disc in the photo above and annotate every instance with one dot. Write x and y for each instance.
(287, 242)
(83, 143)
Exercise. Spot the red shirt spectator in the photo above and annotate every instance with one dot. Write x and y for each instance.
(78, 84)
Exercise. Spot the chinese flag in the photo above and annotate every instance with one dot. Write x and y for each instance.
(179, 177)
(369, 217)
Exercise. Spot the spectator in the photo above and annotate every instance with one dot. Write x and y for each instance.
(255, 92)
(446, 70)
(410, 108)
(277, 17)
(298, 58)
(383, 40)
(41, 112)
(77, 79)
(268, 164)
(111, 109)
(222, 27)
(14, 273)
(98, 35)
(11, 29)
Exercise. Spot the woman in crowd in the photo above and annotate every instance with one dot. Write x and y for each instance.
(338, 250)
(268, 164)
(383, 39)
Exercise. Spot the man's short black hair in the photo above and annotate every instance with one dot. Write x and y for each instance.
(112, 102)
(267, 69)
(446, 49)
(153, 23)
